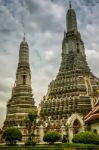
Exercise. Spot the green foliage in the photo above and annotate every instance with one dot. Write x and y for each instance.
(11, 135)
(86, 138)
(32, 135)
(30, 142)
(52, 136)
(32, 116)
(30, 121)
(58, 146)
(64, 140)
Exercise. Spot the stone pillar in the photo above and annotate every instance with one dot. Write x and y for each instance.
(63, 132)
(70, 134)
(41, 132)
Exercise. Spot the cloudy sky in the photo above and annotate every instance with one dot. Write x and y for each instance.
(43, 21)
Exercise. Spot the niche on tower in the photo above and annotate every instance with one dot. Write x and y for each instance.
(78, 48)
(24, 79)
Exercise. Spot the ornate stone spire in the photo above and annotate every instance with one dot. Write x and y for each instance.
(23, 75)
(71, 19)
(22, 101)
(24, 52)
(74, 88)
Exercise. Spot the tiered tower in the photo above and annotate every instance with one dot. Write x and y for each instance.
(22, 101)
(75, 88)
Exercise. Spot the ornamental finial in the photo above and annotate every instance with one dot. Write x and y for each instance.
(70, 5)
(24, 37)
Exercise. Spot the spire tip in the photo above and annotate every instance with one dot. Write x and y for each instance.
(70, 5)
(24, 37)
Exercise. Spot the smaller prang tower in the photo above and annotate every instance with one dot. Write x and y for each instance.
(22, 101)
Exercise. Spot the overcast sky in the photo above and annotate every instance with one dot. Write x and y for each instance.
(44, 22)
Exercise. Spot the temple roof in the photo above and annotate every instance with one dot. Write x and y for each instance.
(93, 115)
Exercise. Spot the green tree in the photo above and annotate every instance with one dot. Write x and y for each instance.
(12, 135)
(51, 137)
(30, 122)
(86, 138)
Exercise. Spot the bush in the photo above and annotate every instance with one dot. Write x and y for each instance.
(11, 135)
(86, 138)
(30, 142)
(52, 136)
(64, 140)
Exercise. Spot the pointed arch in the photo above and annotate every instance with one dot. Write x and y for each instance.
(72, 119)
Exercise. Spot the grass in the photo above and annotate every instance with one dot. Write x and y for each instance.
(65, 146)
(78, 145)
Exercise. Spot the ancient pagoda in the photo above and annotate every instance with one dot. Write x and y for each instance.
(75, 88)
(22, 101)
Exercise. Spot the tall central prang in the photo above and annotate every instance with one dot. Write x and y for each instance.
(75, 88)
(22, 101)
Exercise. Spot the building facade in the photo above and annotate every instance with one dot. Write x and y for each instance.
(74, 91)
(92, 119)
(22, 101)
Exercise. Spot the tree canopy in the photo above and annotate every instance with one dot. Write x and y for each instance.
(30, 122)
(86, 138)
(52, 136)
(12, 135)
